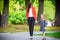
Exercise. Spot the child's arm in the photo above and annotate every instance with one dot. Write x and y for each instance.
(45, 23)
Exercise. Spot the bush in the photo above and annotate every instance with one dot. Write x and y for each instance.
(17, 17)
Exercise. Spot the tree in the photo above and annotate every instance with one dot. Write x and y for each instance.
(57, 14)
(1, 2)
(40, 8)
(0, 19)
(5, 13)
(26, 2)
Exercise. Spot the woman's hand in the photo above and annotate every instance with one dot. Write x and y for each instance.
(36, 21)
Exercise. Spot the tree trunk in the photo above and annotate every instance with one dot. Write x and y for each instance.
(26, 2)
(0, 19)
(1, 1)
(57, 14)
(5, 13)
(40, 9)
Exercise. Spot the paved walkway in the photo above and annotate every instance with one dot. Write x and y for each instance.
(22, 36)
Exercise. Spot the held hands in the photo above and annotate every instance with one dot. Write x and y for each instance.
(36, 21)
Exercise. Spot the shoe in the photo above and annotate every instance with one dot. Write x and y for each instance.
(44, 39)
(31, 37)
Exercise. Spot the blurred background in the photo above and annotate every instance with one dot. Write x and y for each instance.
(13, 14)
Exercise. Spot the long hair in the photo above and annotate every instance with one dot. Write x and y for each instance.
(29, 6)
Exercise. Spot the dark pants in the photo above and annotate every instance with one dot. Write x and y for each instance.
(31, 22)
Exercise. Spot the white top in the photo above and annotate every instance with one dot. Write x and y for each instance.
(30, 13)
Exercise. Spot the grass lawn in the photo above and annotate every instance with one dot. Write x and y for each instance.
(55, 35)
(25, 28)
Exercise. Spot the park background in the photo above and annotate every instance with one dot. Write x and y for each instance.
(16, 15)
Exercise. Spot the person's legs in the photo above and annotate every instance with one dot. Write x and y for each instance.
(43, 34)
(29, 23)
(42, 28)
(31, 26)
(44, 38)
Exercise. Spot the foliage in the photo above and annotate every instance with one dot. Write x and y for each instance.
(17, 17)
(17, 10)
(16, 13)
(49, 10)
(1, 6)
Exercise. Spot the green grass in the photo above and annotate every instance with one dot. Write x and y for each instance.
(14, 28)
(55, 34)
(25, 28)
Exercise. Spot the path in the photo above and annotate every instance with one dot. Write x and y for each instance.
(21, 36)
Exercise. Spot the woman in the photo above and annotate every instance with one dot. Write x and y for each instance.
(31, 17)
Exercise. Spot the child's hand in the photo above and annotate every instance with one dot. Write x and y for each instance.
(45, 28)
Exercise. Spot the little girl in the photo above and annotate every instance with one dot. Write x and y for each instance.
(43, 24)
